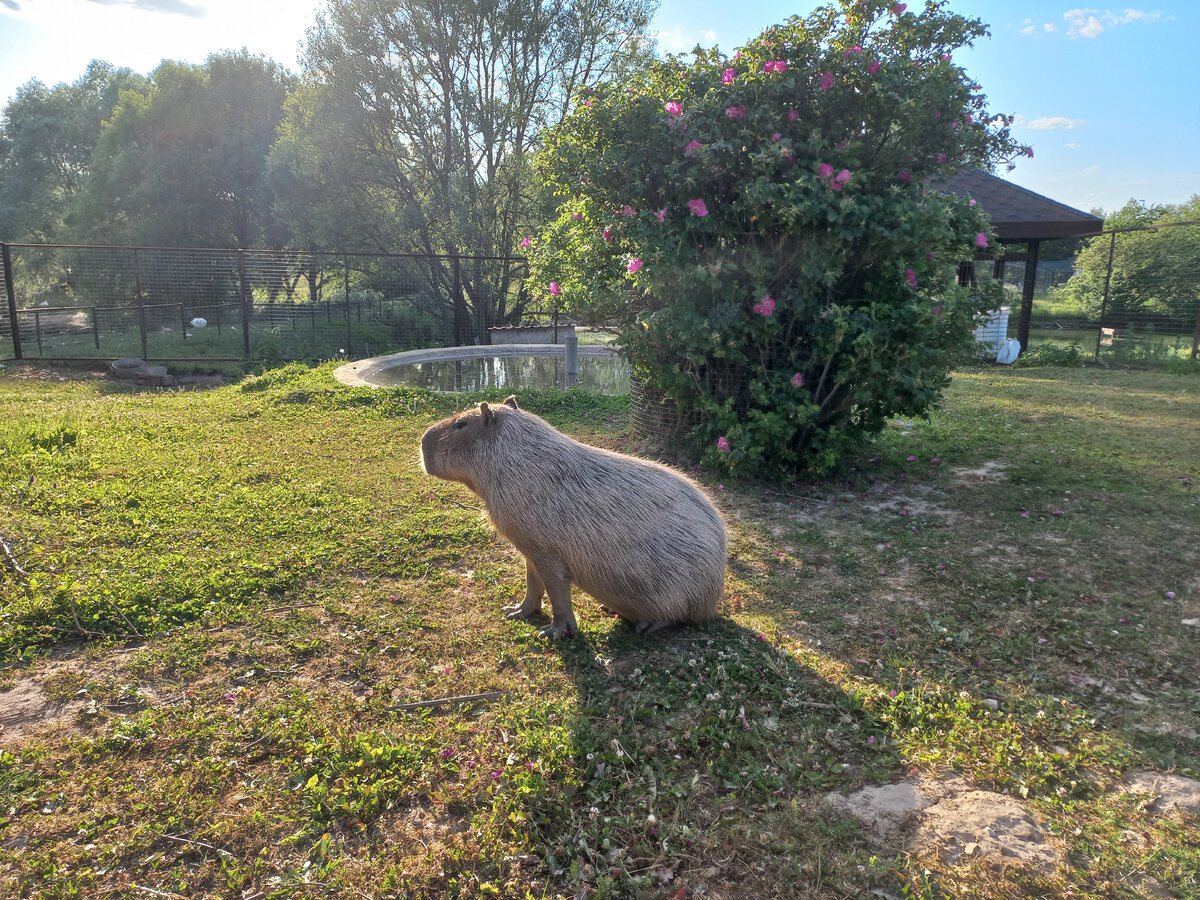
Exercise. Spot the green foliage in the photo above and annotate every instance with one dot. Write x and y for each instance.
(164, 173)
(46, 140)
(1050, 355)
(759, 232)
(1155, 273)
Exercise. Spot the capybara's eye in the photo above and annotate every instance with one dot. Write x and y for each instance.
(461, 423)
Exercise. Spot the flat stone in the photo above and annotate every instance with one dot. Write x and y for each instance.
(986, 826)
(1169, 791)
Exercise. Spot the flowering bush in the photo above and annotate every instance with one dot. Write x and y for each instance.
(794, 281)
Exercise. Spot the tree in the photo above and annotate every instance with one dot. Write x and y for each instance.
(758, 230)
(438, 102)
(182, 162)
(46, 141)
(1155, 274)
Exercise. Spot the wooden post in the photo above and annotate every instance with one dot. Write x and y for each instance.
(10, 290)
(141, 303)
(1031, 261)
(1112, 245)
(244, 289)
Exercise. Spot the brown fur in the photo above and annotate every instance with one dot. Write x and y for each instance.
(640, 538)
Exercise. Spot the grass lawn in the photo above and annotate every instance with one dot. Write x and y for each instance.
(218, 604)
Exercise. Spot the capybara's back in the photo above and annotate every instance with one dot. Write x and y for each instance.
(639, 537)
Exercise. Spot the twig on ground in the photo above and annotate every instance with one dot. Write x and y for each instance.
(183, 840)
(12, 560)
(490, 695)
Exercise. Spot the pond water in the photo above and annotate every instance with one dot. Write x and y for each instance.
(602, 374)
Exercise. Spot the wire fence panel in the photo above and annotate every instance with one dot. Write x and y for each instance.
(1124, 296)
(71, 302)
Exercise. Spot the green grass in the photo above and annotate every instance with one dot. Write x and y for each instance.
(235, 588)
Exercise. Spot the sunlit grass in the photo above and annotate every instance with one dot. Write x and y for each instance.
(236, 589)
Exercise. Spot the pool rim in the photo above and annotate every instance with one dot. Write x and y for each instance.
(359, 372)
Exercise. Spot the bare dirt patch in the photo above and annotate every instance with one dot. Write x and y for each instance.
(26, 707)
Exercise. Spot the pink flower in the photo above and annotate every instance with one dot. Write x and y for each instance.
(826, 80)
(912, 278)
(661, 214)
(776, 137)
(972, 201)
(728, 77)
(607, 234)
(777, 65)
(899, 8)
(798, 379)
(853, 51)
(628, 211)
(981, 240)
(576, 216)
(873, 67)
(930, 255)
(693, 147)
(525, 242)
(843, 176)
(634, 265)
(723, 445)
(1028, 151)
(906, 177)
(793, 115)
(698, 207)
(736, 112)
(765, 307)
(941, 158)
(555, 290)
(1170, 595)
(825, 170)
(673, 108)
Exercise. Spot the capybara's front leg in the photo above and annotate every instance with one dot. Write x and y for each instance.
(534, 591)
(557, 580)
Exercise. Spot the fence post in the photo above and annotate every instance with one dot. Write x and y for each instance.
(1112, 244)
(12, 300)
(346, 291)
(1196, 335)
(243, 289)
(141, 303)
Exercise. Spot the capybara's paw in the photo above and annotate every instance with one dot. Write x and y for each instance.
(558, 631)
(518, 611)
(650, 627)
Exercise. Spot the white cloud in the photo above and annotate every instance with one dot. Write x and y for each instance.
(1091, 23)
(1050, 27)
(1072, 146)
(677, 41)
(1027, 27)
(1046, 123)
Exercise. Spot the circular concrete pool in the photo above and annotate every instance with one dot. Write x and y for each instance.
(505, 366)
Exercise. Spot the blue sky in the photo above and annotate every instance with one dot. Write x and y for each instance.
(1109, 98)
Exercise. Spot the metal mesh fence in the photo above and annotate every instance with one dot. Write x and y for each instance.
(83, 302)
(1124, 296)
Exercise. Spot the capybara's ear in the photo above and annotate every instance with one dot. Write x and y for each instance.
(511, 401)
(487, 413)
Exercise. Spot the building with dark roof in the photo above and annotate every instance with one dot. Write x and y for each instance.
(1020, 216)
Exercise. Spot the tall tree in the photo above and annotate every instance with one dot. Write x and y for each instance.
(183, 162)
(446, 97)
(47, 136)
(1154, 275)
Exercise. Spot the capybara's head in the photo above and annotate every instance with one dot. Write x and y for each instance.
(456, 448)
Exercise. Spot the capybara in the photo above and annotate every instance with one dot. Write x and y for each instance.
(640, 538)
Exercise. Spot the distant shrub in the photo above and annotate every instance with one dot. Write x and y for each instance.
(1069, 356)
